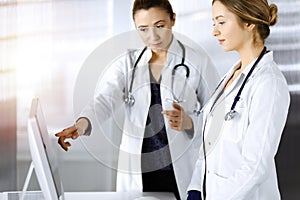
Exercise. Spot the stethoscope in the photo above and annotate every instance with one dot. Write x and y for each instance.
(231, 114)
(129, 98)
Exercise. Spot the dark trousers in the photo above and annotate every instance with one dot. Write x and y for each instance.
(160, 181)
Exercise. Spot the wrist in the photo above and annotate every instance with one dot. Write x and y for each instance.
(81, 126)
(188, 123)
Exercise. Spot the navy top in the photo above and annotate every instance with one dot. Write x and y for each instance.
(157, 170)
(155, 149)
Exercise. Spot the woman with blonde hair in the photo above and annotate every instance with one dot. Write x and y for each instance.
(244, 119)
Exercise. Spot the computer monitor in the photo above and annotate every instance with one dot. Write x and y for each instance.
(45, 164)
(43, 157)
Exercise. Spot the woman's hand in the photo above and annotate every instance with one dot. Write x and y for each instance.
(71, 132)
(178, 119)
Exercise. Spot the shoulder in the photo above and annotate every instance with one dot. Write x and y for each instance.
(269, 71)
(270, 80)
(134, 53)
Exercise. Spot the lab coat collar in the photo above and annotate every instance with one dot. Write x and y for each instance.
(174, 48)
(173, 51)
(268, 57)
(134, 54)
(148, 55)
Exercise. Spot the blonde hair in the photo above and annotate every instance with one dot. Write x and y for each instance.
(257, 12)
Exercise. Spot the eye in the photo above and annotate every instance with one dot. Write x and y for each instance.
(160, 26)
(143, 29)
(221, 22)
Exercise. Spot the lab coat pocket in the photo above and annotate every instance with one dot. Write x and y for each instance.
(215, 184)
(234, 128)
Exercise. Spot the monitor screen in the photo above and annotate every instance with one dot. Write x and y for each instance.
(43, 157)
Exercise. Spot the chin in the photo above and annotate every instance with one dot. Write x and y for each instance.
(227, 49)
(157, 49)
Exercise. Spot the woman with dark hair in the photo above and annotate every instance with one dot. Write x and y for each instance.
(159, 143)
(244, 119)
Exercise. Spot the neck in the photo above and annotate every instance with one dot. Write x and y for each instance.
(249, 54)
(158, 57)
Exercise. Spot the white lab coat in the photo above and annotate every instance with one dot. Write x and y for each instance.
(108, 101)
(240, 152)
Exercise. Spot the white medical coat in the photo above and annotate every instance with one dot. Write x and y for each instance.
(240, 152)
(108, 102)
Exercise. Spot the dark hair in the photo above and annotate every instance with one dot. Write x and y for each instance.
(147, 4)
(257, 12)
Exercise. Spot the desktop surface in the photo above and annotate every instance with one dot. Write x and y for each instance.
(120, 196)
(95, 196)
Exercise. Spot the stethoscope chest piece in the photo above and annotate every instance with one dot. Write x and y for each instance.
(129, 100)
(230, 115)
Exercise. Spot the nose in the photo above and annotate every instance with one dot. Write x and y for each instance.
(153, 35)
(215, 31)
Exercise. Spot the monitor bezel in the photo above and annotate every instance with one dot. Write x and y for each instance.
(41, 150)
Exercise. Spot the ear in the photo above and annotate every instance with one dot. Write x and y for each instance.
(250, 27)
(174, 19)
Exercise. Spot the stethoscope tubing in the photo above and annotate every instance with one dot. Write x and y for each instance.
(134, 68)
(229, 115)
(129, 99)
(232, 111)
(187, 70)
(238, 96)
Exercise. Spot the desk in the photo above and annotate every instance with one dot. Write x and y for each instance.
(116, 196)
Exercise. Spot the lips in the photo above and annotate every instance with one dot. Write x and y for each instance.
(156, 45)
(221, 41)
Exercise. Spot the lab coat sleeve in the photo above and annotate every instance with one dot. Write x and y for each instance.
(108, 96)
(208, 78)
(197, 177)
(267, 116)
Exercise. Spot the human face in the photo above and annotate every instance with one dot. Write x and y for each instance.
(231, 33)
(155, 28)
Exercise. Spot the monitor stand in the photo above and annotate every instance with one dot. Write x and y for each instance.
(24, 194)
(27, 180)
